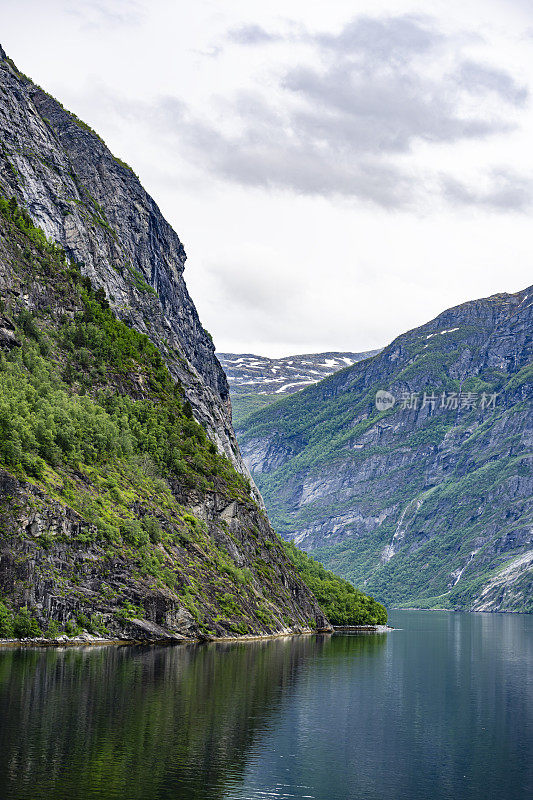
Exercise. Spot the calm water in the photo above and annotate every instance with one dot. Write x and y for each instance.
(442, 708)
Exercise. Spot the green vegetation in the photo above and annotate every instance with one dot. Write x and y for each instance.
(139, 281)
(91, 418)
(21, 625)
(244, 405)
(124, 164)
(56, 406)
(90, 415)
(342, 603)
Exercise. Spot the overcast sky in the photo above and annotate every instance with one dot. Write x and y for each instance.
(338, 172)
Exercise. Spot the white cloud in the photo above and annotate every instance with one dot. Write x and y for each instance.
(335, 180)
(98, 14)
(502, 191)
(339, 122)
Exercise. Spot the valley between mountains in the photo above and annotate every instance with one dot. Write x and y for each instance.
(256, 381)
(130, 509)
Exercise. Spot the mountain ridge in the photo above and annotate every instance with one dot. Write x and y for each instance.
(247, 372)
(78, 192)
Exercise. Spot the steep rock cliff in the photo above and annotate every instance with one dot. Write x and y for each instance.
(91, 203)
(117, 513)
(125, 507)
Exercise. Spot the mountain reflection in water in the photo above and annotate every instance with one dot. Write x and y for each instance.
(440, 709)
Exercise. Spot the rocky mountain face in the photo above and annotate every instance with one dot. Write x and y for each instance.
(93, 205)
(410, 473)
(257, 381)
(120, 513)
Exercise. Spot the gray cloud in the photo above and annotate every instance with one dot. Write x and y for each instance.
(479, 78)
(507, 191)
(380, 111)
(252, 35)
(390, 40)
(342, 125)
(267, 156)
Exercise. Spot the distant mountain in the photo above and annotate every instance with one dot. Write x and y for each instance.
(410, 472)
(249, 374)
(257, 381)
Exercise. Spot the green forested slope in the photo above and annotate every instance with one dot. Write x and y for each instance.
(342, 602)
(117, 513)
(244, 405)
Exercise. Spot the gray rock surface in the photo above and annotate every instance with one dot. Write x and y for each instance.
(420, 504)
(92, 204)
(54, 559)
(73, 576)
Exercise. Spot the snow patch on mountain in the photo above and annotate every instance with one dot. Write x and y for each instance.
(251, 374)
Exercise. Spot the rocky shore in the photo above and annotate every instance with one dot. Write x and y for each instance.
(84, 639)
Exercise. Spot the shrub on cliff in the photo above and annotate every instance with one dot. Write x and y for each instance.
(342, 603)
(6, 622)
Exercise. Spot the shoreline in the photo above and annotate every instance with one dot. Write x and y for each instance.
(461, 610)
(362, 628)
(87, 640)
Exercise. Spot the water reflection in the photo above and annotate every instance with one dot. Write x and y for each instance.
(442, 708)
(136, 722)
(444, 711)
